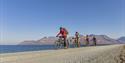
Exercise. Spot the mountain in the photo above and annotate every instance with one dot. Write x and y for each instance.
(121, 39)
(101, 39)
(47, 40)
(42, 41)
(29, 42)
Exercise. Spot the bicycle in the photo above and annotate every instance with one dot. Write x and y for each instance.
(75, 43)
(59, 43)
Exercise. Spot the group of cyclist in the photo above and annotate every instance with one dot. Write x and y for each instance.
(76, 40)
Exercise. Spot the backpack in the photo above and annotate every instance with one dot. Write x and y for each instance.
(66, 31)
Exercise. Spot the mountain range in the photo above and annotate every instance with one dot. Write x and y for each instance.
(121, 39)
(101, 39)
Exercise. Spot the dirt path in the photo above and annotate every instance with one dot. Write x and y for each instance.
(121, 57)
(94, 54)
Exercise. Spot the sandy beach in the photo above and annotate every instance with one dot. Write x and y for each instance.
(92, 54)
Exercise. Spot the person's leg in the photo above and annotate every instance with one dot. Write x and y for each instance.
(95, 43)
(75, 42)
(86, 42)
(65, 42)
(78, 43)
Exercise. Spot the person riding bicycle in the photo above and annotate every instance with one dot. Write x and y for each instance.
(94, 40)
(63, 32)
(87, 39)
(77, 39)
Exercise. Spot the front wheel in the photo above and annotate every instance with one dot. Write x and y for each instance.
(56, 45)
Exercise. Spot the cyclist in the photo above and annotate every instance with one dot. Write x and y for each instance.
(87, 39)
(77, 39)
(94, 40)
(63, 32)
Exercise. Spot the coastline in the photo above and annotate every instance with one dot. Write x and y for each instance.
(93, 54)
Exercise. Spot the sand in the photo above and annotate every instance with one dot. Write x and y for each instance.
(92, 54)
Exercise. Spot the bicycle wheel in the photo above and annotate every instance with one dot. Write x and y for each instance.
(56, 45)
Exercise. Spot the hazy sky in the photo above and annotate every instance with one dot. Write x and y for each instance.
(33, 19)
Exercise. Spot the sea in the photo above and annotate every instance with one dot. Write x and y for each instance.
(24, 48)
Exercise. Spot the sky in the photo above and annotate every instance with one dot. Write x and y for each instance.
(33, 19)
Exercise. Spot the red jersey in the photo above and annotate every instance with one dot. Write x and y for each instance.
(63, 33)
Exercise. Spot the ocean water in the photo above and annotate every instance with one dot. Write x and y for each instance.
(23, 48)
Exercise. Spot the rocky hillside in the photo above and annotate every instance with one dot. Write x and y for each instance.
(121, 39)
(42, 41)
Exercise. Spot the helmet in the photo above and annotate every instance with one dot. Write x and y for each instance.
(61, 27)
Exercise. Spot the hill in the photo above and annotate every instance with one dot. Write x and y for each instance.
(101, 39)
(121, 39)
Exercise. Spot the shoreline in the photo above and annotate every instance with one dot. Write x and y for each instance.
(84, 54)
(51, 48)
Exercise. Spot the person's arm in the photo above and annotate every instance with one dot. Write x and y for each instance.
(58, 34)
